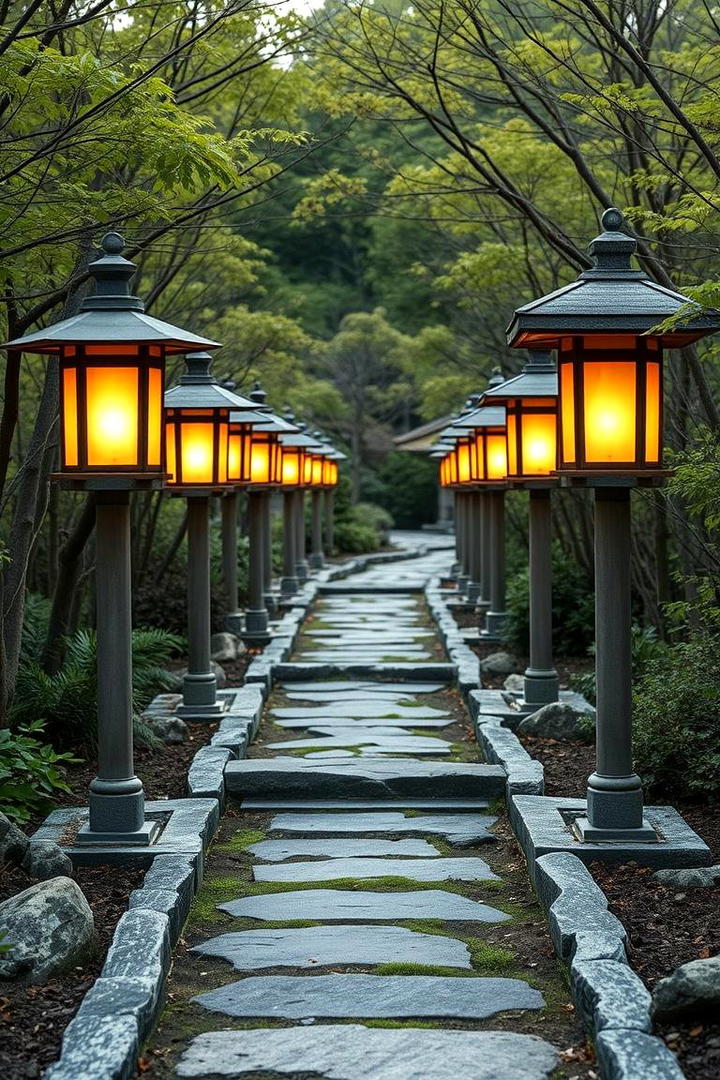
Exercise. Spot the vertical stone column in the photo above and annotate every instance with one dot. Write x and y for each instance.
(541, 679)
(256, 616)
(199, 685)
(463, 515)
(317, 558)
(329, 522)
(302, 569)
(229, 511)
(496, 616)
(289, 581)
(269, 595)
(474, 587)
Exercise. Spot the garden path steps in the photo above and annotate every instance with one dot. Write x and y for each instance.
(372, 824)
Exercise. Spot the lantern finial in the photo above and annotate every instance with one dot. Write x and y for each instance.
(613, 248)
(198, 369)
(257, 394)
(612, 219)
(112, 275)
(496, 378)
(112, 243)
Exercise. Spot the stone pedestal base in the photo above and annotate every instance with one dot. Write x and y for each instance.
(288, 586)
(234, 622)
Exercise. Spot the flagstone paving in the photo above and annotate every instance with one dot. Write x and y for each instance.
(366, 917)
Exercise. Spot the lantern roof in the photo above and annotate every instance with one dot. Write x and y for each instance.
(300, 439)
(611, 297)
(536, 380)
(485, 416)
(270, 421)
(111, 314)
(199, 389)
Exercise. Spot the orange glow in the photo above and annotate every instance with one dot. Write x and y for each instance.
(539, 440)
(317, 470)
(112, 416)
(334, 472)
(512, 443)
(652, 414)
(609, 406)
(70, 415)
(155, 416)
(222, 463)
(567, 413)
(170, 459)
(496, 457)
(234, 456)
(197, 453)
(259, 462)
(463, 463)
(290, 467)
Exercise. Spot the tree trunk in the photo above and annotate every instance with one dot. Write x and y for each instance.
(69, 570)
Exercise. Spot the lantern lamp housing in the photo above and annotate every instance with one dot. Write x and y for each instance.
(255, 451)
(488, 459)
(531, 406)
(112, 373)
(197, 418)
(605, 327)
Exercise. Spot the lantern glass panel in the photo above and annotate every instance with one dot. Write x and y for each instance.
(112, 416)
(463, 463)
(260, 459)
(512, 444)
(653, 421)
(567, 413)
(539, 437)
(496, 456)
(155, 416)
(70, 416)
(317, 471)
(609, 411)
(235, 456)
(197, 445)
(290, 467)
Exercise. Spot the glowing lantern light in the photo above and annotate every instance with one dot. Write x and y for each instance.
(531, 405)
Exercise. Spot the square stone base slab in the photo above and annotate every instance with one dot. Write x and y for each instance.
(188, 827)
(541, 825)
(500, 703)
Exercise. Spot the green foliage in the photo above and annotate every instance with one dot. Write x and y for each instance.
(406, 485)
(66, 703)
(31, 773)
(573, 608)
(676, 720)
(646, 650)
(355, 538)
(380, 519)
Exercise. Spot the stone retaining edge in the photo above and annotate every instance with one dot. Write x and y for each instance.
(611, 1000)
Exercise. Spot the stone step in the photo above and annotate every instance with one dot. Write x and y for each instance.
(373, 686)
(463, 806)
(347, 996)
(356, 778)
(343, 721)
(321, 946)
(440, 869)
(333, 847)
(355, 1052)
(460, 829)
(369, 709)
(336, 905)
(416, 671)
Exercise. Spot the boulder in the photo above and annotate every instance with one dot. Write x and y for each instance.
(693, 988)
(167, 727)
(49, 927)
(175, 681)
(44, 860)
(500, 663)
(225, 647)
(690, 877)
(13, 842)
(515, 684)
(555, 721)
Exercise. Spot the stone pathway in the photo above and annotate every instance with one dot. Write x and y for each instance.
(360, 900)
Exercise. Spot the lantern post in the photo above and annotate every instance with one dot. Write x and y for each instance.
(610, 439)
(197, 419)
(531, 406)
(112, 366)
(296, 447)
(317, 556)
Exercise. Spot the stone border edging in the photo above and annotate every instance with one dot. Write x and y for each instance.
(611, 1000)
(459, 652)
(104, 1038)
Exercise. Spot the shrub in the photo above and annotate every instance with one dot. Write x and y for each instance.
(676, 720)
(377, 517)
(354, 538)
(406, 485)
(573, 608)
(31, 773)
(66, 703)
(646, 649)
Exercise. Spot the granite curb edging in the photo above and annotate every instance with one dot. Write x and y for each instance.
(459, 652)
(104, 1038)
(611, 1000)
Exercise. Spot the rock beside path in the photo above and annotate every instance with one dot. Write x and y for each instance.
(690, 877)
(693, 988)
(556, 721)
(225, 647)
(49, 927)
(13, 842)
(500, 663)
(44, 860)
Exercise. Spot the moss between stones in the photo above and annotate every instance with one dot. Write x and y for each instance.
(241, 840)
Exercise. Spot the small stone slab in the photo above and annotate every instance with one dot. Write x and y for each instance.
(365, 722)
(381, 709)
(345, 685)
(392, 744)
(461, 829)
(467, 806)
(380, 778)
(358, 1053)
(318, 946)
(329, 848)
(336, 905)
(439, 869)
(355, 996)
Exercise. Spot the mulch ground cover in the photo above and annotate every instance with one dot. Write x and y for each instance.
(33, 1018)
(666, 926)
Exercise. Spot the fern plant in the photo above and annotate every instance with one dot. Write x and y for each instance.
(67, 702)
